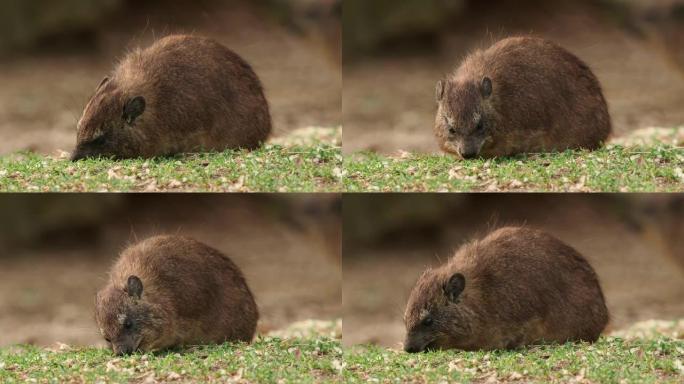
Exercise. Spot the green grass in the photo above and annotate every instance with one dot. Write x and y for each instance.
(320, 359)
(610, 360)
(274, 168)
(612, 169)
(267, 360)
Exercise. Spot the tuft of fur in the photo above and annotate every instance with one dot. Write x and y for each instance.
(522, 95)
(182, 94)
(515, 287)
(170, 291)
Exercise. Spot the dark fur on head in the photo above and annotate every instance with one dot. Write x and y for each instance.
(515, 287)
(129, 323)
(108, 125)
(521, 95)
(432, 319)
(464, 116)
(170, 291)
(182, 94)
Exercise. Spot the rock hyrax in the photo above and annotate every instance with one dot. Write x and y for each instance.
(515, 287)
(182, 94)
(522, 95)
(170, 291)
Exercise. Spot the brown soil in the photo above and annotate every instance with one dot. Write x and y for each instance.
(388, 101)
(638, 281)
(47, 290)
(42, 96)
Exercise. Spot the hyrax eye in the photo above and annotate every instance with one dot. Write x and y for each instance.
(480, 126)
(452, 130)
(427, 321)
(128, 324)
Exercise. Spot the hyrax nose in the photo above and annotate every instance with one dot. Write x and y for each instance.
(469, 154)
(123, 350)
(411, 348)
(77, 155)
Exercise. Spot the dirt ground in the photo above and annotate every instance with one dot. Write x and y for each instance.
(639, 282)
(42, 95)
(388, 100)
(47, 291)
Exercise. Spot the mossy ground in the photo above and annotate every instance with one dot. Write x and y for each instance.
(311, 352)
(610, 360)
(265, 361)
(301, 166)
(612, 169)
(306, 352)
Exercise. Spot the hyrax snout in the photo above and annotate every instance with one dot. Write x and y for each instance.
(182, 94)
(515, 287)
(522, 95)
(170, 291)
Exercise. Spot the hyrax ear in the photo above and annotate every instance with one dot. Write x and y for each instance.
(439, 90)
(134, 286)
(486, 87)
(454, 287)
(102, 83)
(133, 108)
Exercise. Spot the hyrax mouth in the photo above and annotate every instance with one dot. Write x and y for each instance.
(453, 148)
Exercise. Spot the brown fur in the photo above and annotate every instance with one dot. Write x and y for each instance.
(191, 294)
(542, 98)
(522, 286)
(198, 95)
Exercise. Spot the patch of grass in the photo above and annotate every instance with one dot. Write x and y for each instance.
(610, 360)
(267, 360)
(612, 169)
(273, 168)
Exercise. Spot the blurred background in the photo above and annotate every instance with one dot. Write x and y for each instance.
(634, 242)
(54, 53)
(395, 51)
(56, 250)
